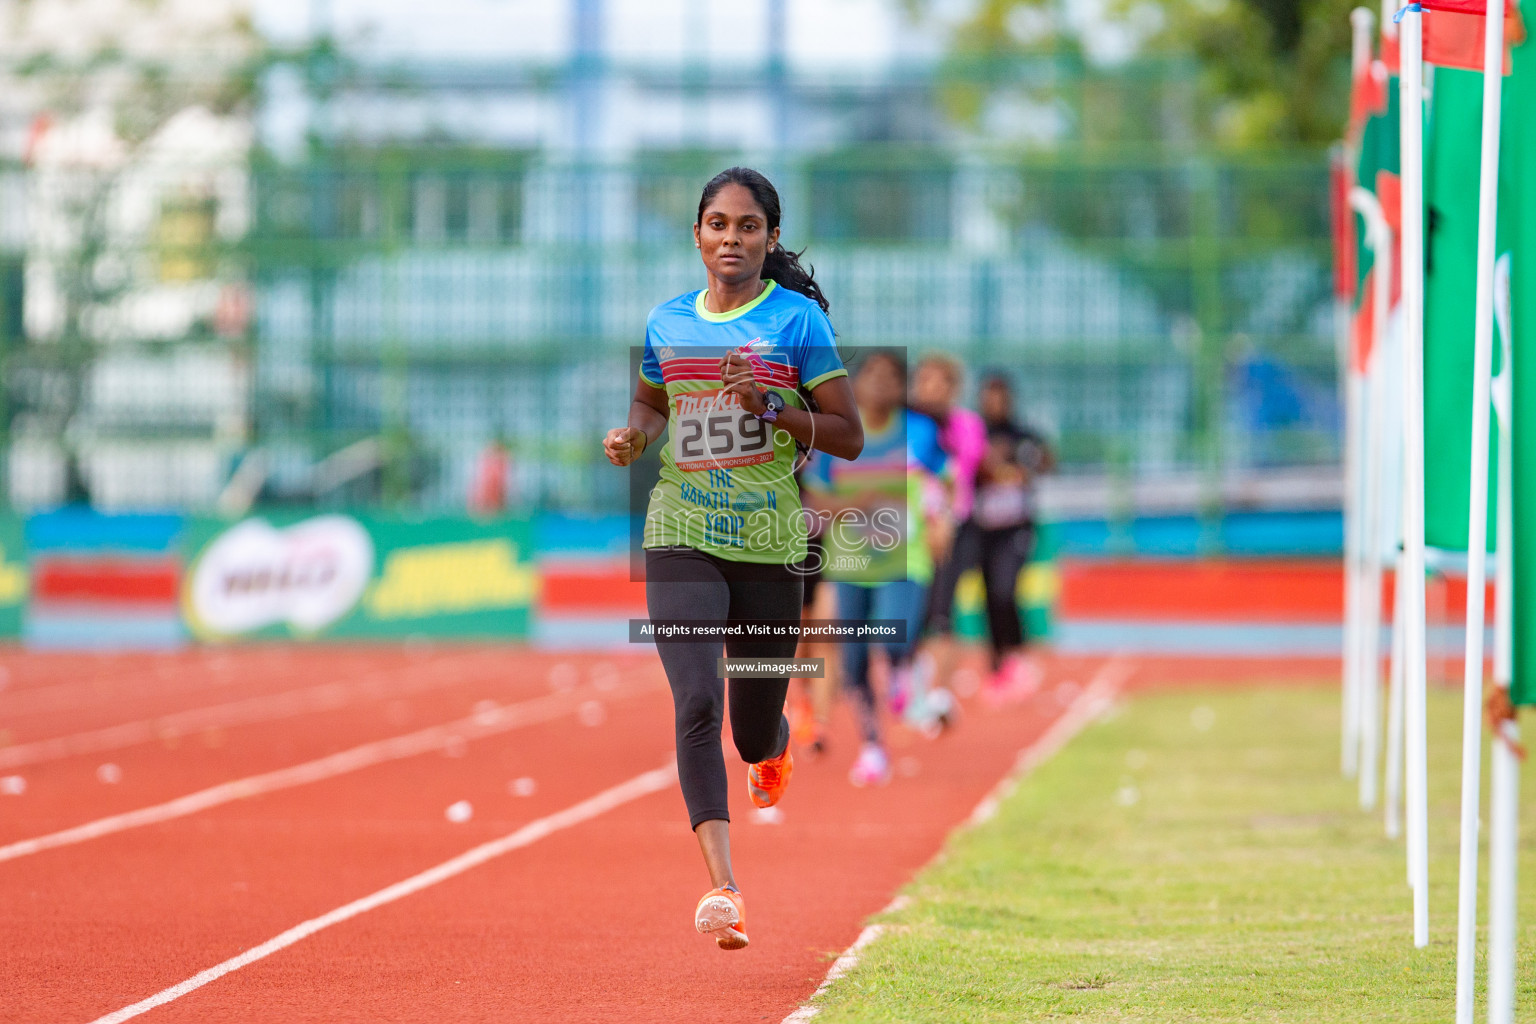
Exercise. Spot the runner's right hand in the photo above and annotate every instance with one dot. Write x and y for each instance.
(623, 445)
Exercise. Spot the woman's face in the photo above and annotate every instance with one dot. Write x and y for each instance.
(932, 388)
(996, 402)
(878, 385)
(733, 235)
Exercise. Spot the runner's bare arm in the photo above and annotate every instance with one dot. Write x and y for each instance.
(836, 429)
(647, 419)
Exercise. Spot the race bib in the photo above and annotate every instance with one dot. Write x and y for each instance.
(713, 431)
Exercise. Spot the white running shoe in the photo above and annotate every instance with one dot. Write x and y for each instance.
(942, 709)
(918, 678)
(873, 768)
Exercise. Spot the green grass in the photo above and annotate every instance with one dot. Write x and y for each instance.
(1160, 871)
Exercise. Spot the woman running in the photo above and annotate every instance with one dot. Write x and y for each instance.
(1002, 521)
(725, 537)
(936, 387)
(876, 538)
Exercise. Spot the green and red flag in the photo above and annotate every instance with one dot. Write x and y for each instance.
(1345, 274)
(1452, 157)
(1376, 136)
(1452, 153)
(1453, 32)
(1517, 226)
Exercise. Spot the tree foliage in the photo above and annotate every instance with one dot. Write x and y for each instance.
(1270, 72)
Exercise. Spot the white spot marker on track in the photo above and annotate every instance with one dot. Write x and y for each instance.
(1091, 704)
(966, 682)
(530, 712)
(603, 676)
(523, 786)
(591, 713)
(563, 676)
(459, 812)
(641, 785)
(109, 774)
(13, 785)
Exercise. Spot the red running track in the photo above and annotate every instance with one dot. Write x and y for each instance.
(593, 922)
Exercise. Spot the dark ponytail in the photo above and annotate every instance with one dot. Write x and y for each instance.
(781, 265)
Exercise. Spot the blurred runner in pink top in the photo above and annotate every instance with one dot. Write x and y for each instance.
(936, 388)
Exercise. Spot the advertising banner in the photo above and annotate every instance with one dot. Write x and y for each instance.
(344, 577)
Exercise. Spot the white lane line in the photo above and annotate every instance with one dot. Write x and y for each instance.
(1088, 706)
(845, 963)
(626, 792)
(486, 722)
(376, 685)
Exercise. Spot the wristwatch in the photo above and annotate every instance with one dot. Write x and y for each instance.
(775, 403)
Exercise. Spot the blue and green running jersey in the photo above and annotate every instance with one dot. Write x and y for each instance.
(875, 529)
(727, 482)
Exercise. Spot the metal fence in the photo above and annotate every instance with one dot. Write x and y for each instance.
(358, 329)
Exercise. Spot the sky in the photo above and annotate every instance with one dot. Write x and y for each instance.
(825, 38)
(821, 32)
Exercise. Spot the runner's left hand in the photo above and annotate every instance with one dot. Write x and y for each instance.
(736, 374)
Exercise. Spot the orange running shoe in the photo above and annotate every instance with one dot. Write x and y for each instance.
(767, 780)
(723, 914)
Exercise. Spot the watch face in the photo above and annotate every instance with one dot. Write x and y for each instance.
(774, 401)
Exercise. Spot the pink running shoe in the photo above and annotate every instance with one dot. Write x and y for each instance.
(1017, 679)
(899, 695)
(873, 768)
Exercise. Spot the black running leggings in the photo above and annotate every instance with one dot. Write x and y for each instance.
(685, 583)
(1001, 555)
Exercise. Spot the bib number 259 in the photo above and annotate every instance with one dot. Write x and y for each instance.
(717, 434)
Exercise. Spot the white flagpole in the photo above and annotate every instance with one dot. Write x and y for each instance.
(1354, 528)
(1477, 515)
(1504, 816)
(1396, 702)
(1356, 467)
(1368, 590)
(1503, 859)
(1414, 641)
(1395, 711)
(1383, 244)
(1371, 530)
(1354, 621)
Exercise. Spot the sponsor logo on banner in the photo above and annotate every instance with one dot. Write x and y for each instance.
(254, 575)
(447, 579)
(13, 581)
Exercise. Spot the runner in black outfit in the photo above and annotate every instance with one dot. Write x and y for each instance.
(725, 535)
(1001, 531)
